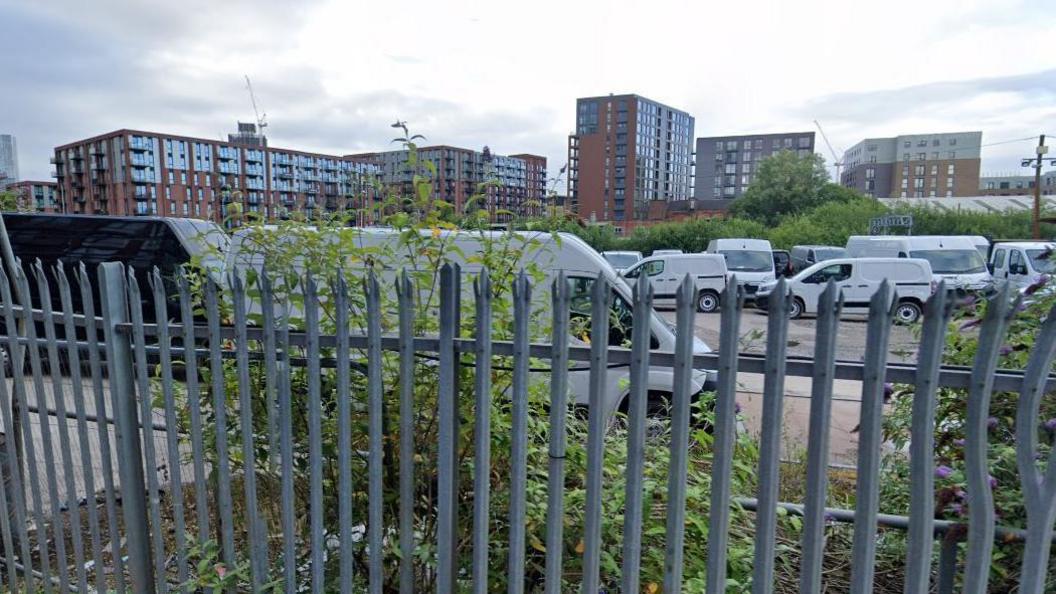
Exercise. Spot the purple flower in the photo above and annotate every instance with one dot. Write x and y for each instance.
(1051, 424)
(959, 442)
(991, 423)
(737, 407)
(960, 494)
(992, 481)
(1040, 282)
(1005, 349)
(957, 508)
(1021, 307)
(943, 471)
(829, 518)
(889, 389)
(968, 301)
(971, 324)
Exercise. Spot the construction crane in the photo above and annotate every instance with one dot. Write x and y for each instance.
(835, 158)
(261, 122)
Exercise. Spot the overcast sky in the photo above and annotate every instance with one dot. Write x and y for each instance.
(332, 75)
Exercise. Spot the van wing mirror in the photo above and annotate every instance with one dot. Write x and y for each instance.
(990, 267)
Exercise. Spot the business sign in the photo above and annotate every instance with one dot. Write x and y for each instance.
(882, 225)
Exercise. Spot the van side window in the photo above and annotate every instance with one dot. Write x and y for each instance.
(836, 272)
(999, 258)
(654, 268)
(1015, 262)
(621, 314)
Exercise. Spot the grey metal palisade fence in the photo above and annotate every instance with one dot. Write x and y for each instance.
(117, 494)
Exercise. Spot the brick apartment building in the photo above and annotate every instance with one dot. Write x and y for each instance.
(915, 165)
(1016, 185)
(726, 165)
(506, 186)
(627, 152)
(36, 196)
(131, 172)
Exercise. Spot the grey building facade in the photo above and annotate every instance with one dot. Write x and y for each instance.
(942, 164)
(726, 165)
(8, 160)
(1016, 185)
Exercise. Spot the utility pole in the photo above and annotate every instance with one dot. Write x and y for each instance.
(1036, 162)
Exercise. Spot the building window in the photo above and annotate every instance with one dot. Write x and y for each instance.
(747, 145)
(931, 194)
(788, 143)
(907, 144)
(934, 169)
(758, 144)
(934, 182)
(746, 168)
(949, 193)
(949, 182)
(953, 155)
(953, 141)
(905, 156)
(918, 170)
(872, 158)
(934, 156)
(935, 142)
(922, 156)
(731, 145)
(731, 168)
(870, 173)
(719, 145)
(949, 169)
(918, 182)
(905, 182)
(747, 156)
(903, 193)
(989, 185)
(804, 142)
(922, 142)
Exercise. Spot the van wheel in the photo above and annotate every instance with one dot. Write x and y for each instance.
(907, 312)
(795, 310)
(707, 302)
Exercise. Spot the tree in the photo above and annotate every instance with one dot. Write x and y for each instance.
(830, 223)
(8, 200)
(787, 184)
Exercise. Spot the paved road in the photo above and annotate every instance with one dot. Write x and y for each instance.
(850, 341)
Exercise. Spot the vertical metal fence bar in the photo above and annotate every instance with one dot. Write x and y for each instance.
(947, 577)
(69, 501)
(522, 295)
(29, 448)
(146, 420)
(91, 330)
(555, 503)
(723, 445)
(344, 432)
(256, 535)
(596, 421)
(58, 393)
(194, 405)
(981, 510)
(921, 533)
(375, 416)
(267, 310)
(77, 386)
(829, 307)
(130, 456)
(14, 462)
(8, 513)
(289, 530)
(405, 291)
(636, 410)
(1039, 491)
(867, 491)
(223, 458)
(447, 490)
(770, 439)
(482, 434)
(161, 314)
(315, 435)
(37, 369)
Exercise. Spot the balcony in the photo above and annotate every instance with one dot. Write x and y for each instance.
(97, 152)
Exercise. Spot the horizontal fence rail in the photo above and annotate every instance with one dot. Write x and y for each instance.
(328, 433)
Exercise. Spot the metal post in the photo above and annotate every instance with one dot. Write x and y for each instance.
(1037, 186)
(130, 454)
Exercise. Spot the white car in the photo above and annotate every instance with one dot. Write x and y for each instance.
(1022, 263)
(750, 260)
(954, 259)
(565, 253)
(859, 279)
(622, 260)
(667, 272)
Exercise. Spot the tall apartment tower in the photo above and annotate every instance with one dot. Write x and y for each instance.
(726, 165)
(915, 165)
(8, 160)
(627, 152)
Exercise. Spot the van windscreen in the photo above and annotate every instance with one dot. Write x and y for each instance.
(748, 261)
(952, 261)
(1042, 260)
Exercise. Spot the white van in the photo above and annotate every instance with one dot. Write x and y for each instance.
(954, 259)
(564, 253)
(671, 252)
(666, 273)
(622, 260)
(751, 260)
(808, 255)
(859, 279)
(1022, 262)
